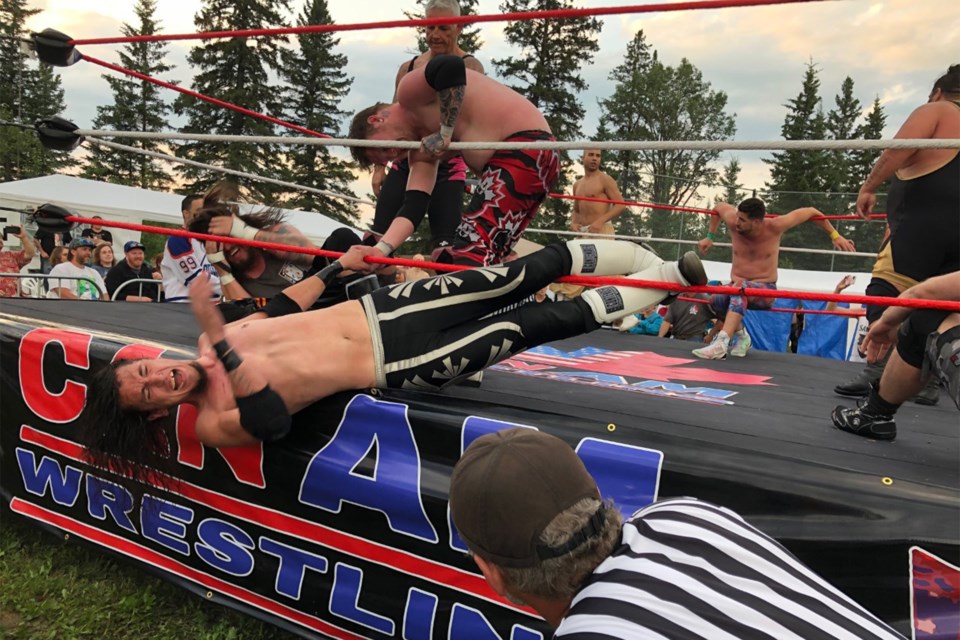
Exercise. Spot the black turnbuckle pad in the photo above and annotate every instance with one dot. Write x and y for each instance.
(58, 134)
(53, 218)
(54, 48)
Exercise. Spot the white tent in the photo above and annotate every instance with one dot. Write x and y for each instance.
(125, 204)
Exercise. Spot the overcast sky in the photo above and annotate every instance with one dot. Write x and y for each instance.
(893, 49)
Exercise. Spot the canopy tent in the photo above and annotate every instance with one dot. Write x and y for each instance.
(127, 204)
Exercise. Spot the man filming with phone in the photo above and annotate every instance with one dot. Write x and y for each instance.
(12, 261)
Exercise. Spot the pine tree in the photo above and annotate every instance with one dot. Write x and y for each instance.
(620, 121)
(653, 101)
(797, 178)
(137, 106)
(547, 72)
(866, 235)
(44, 99)
(733, 192)
(872, 129)
(236, 70)
(317, 84)
(28, 92)
(842, 124)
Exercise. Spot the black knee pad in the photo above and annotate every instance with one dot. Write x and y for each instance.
(912, 337)
(264, 415)
(911, 344)
(943, 360)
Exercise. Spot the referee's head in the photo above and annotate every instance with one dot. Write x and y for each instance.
(530, 513)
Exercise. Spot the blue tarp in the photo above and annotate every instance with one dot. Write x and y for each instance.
(770, 330)
(823, 335)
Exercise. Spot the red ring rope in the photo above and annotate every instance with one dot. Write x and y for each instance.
(200, 96)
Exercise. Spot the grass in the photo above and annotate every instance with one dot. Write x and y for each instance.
(52, 590)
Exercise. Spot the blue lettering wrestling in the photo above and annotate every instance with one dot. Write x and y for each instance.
(393, 488)
(64, 484)
(225, 546)
(105, 497)
(293, 566)
(344, 602)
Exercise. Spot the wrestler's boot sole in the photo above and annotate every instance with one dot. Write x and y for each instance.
(691, 268)
(867, 425)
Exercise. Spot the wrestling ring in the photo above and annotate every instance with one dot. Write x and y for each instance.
(342, 529)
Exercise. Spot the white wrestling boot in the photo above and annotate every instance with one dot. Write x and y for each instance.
(611, 303)
(609, 257)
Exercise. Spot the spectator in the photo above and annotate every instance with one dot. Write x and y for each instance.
(13, 261)
(539, 530)
(80, 281)
(648, 322)
(132, 267)
(46, 242)
(103, 259)
(97, 233)
(155, 264)
(687, 319)
(185, 258)
(59, 255)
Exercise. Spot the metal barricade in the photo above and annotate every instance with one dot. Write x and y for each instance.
(141, 282)
(44, 292)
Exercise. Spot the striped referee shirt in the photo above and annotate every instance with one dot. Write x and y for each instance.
(692, 570)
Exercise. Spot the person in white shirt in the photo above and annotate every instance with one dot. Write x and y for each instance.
(83, 281)
(185, 258)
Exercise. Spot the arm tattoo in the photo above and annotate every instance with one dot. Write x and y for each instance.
(285, 234)
(450, 102)
(878, 169)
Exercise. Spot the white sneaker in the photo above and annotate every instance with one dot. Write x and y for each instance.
(742, 344)
(716, 350)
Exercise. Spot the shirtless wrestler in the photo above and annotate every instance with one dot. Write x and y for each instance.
(595, 217)
(756, 254)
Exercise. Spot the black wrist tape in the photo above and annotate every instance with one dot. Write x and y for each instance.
(415, 205)
(264, 415)
(445, 72)
(329, 272)
(281, 305)
(227, 355)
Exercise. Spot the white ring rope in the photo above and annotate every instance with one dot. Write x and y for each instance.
(584, 234)
(664, 145)
(232, 172)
